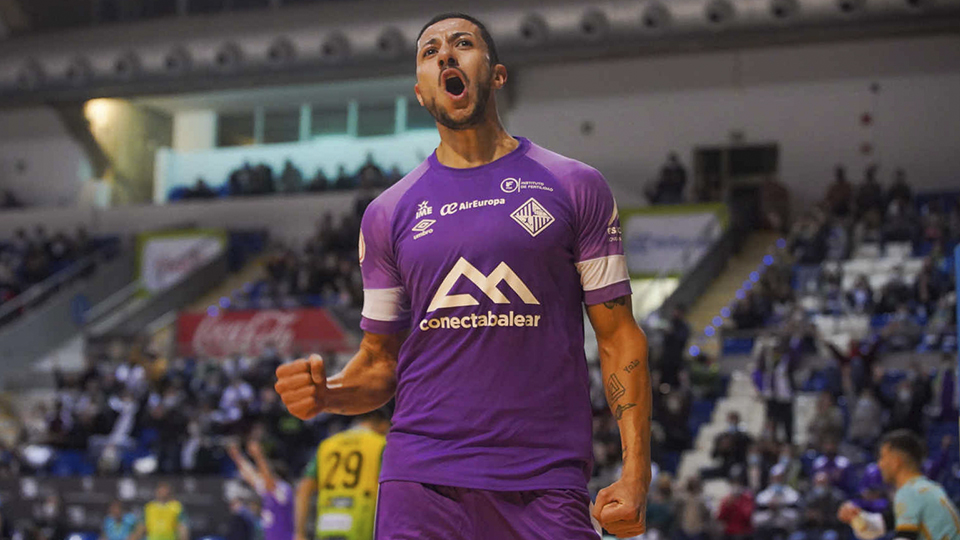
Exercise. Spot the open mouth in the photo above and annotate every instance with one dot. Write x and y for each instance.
(453, 83)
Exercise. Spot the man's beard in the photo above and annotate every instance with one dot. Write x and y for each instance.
(475, 118)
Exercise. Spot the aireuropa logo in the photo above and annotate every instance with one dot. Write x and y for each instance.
(453, 208)
(488, 285)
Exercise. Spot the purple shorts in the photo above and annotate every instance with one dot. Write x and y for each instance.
(414, 511)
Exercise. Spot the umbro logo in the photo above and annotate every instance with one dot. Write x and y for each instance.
(423, 225)
(486, 283)
(533, 217)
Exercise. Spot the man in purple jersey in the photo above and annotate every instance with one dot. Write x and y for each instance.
(475, 269)
(276, 495)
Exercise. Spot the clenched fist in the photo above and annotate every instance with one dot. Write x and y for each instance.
(302, 386)
(621, 508)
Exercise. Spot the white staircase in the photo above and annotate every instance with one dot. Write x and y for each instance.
(743, 398)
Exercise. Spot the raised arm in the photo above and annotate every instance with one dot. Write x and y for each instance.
(247, 472)
(623, 361)
(255, 450)
(367, 382)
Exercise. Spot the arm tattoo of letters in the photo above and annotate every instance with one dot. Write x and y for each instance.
(631, 367)
(615, 389)
(620, 408)
(622, 301)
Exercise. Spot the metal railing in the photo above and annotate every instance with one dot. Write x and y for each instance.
(38, 292)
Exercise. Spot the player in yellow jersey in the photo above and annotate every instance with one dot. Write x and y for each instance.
(345, 474)
(163, 518)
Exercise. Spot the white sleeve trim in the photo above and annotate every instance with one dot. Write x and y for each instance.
(602, 272)
(384, 305)
(868, 526)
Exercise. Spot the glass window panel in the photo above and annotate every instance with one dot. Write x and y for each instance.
(376, 119)
(235, 129)
(281, 126)
(328, 121)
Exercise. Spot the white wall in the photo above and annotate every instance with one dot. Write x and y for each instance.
(809, 99)
(194, 130)
(39, 161)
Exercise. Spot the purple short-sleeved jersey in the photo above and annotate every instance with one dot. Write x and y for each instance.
(277, 514)
(488, 268)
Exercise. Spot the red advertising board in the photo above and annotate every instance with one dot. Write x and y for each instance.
(247, 332)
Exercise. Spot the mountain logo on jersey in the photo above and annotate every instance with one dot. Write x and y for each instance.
(533, 217)
(486, 283)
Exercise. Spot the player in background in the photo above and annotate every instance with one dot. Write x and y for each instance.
(922, 510)
(163, 518)
(476, 267)
(276, 495)
(344, 476)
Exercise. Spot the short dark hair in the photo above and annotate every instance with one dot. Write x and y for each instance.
(907, 443)
(484, 34)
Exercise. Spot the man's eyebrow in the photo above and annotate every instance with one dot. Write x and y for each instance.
(453, 36)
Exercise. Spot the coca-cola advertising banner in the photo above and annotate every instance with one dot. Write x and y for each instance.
(248, 332)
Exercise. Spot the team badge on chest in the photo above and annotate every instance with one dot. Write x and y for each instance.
(533, 217)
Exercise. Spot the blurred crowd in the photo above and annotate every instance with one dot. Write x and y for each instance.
(29, 259)
(866, 222)
(254, 180)
(132, 410)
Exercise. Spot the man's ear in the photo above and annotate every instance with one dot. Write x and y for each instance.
(499, 76)
(416, 90)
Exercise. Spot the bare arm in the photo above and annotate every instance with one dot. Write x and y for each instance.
(263, 467)
(305, 490)
(137, 533)
(623, 361)
(367, 382)
(247, 472)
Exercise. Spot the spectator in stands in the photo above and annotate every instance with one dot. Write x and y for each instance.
(902, 332)
(808, 244)
(263, 182)
(868, 230)
(749, 312)
(675, 340)
(820, 505)
(777, 511)
(674, 416)
(839, 198)
(869, 193)
(860, 297)
(291, 179)
(670, 185)
(899, 189)
(200, 190)
(944, 391)
(662, 507)
(757, 467)
(344, 180)
(370, 174)
(835, 466)
(905, 407)
(933, 222)
(730, 447)
(775, 204)
(900, 223)
(736, 509)
(930, 286)
(865, 418)
(837, 240)
(52, 523)
(241, 180)
(319, 183)
(394, 175)
(827, 423)
(693, 516)
(776, 366)
(118, 525)
(9, 200)
(895, 293)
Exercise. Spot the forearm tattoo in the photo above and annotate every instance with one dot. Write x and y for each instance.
(615, 389)
(620, 408)
(631, 366)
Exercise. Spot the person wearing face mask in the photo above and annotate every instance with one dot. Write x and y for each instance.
(835, 466)
(820, 505)
(905, 407)
(729, 447)
(777, 512)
